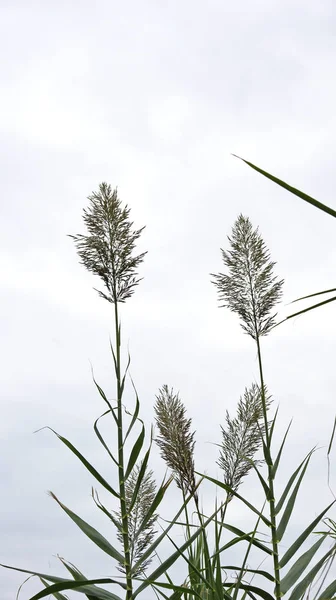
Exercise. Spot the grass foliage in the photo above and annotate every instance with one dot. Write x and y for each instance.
(249, 288)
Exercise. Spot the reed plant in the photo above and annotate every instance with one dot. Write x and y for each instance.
(249, 288)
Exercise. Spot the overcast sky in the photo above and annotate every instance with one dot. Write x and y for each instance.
(153, 97)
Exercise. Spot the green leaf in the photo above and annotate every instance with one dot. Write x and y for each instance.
(172, 559)
(255, 571)
(135, 452)
(291, 189)
(299, 567)
(271, 431)
(159, 539)
(313, 295)
(300, 589)
(101, 507)
(73, 585)
(290, 504)
(177, 588)
(232, 492)
(101, 439)
(332, 438)
(157, 500)
(142, 471)
(85, 462)
(300, 312)
(91, 533)
(290, 483)
(277, 460)
(96, 592)
(254, 590)
(242, 536)
(103, 395)
(299, 541)
(124, 376)
(136, 412)
(261, 479)
(329, 592)
(56, 594)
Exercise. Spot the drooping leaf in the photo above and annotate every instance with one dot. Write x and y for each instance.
(85, 462)
(90, 532)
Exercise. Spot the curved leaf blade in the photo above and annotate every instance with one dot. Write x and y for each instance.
(290, 188)
(299, 541)
(85, 462)
(91, 532)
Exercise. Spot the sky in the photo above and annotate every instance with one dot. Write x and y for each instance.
(154, 97)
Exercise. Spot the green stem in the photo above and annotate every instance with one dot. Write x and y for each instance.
(275, 547)
(121, 469)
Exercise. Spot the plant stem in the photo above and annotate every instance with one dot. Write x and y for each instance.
(121, 470)
(277, 590)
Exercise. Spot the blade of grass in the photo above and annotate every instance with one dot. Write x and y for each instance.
(290, 483)
(299, 567)
(300, 589)
(290, 188)
(229, 490)
(101, 439)
(90, 532)
(135, 452)
(290, 505)
(299, 541)
(90, 584)
(85, 462)
(277, 460)
(73, 585)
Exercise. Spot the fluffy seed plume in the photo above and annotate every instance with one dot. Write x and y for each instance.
(176, 441)
(250, 289)
(107, 249)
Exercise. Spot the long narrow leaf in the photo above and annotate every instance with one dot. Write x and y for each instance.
(89, 585)
(250, 588)
(300, 589)
(290, 504)
(300, 312)
(156, 502)
(135, 452)
(329, 592)
(85, 462)
(291, 189)
(277, 460)
(141, 475)
(56, 595)
(161, 537)
(299, 541)
(231, 491)
(255, 571)
(290, 483)
(295, 572)
(172, 559)
(72, 585)
(241, 535)
(136, 412)
(101, 439)
(103, 508)
(313, 295)
(90, 532)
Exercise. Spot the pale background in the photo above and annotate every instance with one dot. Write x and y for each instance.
(153, 97)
